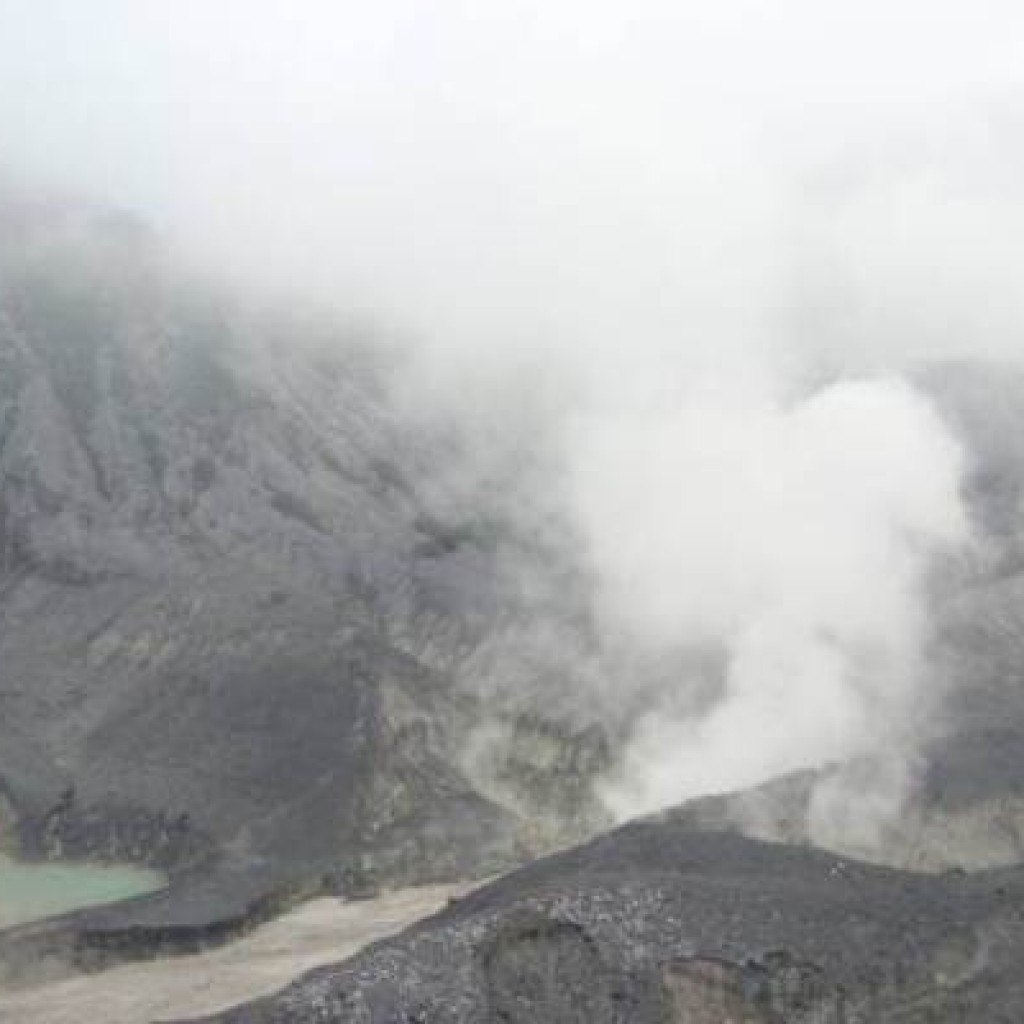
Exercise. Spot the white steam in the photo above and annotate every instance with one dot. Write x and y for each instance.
(794, 538)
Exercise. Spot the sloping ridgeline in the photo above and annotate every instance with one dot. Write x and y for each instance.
(232, 618)
(658, 924)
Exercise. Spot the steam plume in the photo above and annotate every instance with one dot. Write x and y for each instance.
(792, 537)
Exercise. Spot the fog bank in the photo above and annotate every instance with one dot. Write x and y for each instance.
(701, 244)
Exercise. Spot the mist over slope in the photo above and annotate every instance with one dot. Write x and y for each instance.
(513, 422)
(239, 600)
(264, 600)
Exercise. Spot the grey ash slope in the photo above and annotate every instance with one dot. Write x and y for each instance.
(657, 923)
(232, 611)
(249, 633)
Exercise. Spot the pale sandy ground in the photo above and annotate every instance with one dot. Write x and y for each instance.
(320, 932)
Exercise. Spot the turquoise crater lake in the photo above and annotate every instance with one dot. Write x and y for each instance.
(29, 892)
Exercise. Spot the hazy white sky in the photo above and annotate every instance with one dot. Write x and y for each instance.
(547, 169)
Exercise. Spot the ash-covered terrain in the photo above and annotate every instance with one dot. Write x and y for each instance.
(243, 613)
(657, 923)
(272, 628)
(569, 453)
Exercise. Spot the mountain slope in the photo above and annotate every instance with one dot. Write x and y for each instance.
(232, 602)
(263, 627)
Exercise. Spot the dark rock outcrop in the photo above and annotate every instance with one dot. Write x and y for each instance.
(657, 923)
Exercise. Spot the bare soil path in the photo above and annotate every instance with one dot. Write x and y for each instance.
(323, 931)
